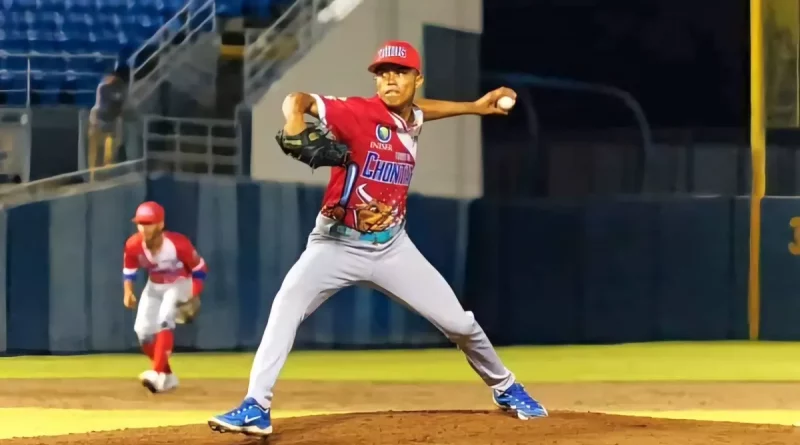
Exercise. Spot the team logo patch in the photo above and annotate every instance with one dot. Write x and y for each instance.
(383, 134)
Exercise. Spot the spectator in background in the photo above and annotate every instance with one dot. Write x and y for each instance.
(104, 118)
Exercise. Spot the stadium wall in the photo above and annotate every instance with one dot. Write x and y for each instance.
(537, 271)
(448, 37)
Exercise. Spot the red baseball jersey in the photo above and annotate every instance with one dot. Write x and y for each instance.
(176, 260)
(369, 195)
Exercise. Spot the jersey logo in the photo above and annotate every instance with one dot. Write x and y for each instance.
(387, 172)
(383, 134)
(168, 266)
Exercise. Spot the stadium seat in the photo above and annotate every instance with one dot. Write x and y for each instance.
(45, 87)
(41, 42)
(16, 42)
(48, 64)
(84, 92)
(14, 86)
(14, 62)
(54, 30)
(173, 6)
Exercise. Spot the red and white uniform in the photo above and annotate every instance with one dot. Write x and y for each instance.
(369, 196)
(175, 274)
(384, 147)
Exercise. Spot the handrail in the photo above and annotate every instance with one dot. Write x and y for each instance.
(72, 174)
(297, 21)
(529, 80)
(175, 139)
(30, 188)
(30, 72)
(182, 21)
(189, 120)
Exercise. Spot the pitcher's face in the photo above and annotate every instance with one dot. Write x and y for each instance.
(397, 84)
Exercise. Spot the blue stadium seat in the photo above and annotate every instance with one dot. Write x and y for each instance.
(59, 20)
(173, 6)
(14, 62)
(148, 6)
(14, 86)
(80, 64)
(60, 42)
(149, 24)
(45, 87)
(85, 82)
(16, 20)
(16, 42)
(78, 21)
(86, 87)
(45, 21)
(106, 42)
(60, 28)
(101, 65)
(230, 8)
(84, 99)
(115, 5)
(86, 6)
(41, 42)
(109, 22)
(5, 84)
(24, 4)
(52, 5)
(48, 64)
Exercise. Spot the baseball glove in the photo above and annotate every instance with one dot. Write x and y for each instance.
(314, 146)
(187, 311)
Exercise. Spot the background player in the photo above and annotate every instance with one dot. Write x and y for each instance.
(176, 275)
(360, 233)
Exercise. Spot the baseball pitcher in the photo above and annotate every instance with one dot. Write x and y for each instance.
(360, 237)
(176, 273)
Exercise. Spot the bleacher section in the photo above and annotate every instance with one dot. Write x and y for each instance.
(56, 51)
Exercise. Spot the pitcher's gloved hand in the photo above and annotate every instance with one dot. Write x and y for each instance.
(314, 146)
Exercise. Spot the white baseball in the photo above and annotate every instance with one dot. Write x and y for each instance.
(506, 102)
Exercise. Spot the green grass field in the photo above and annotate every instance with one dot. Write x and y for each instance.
(651, 362)
(717, 361)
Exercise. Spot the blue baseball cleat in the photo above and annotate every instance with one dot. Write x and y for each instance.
(249, 418)
(515, 399)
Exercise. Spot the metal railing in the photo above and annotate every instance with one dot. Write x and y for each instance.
(292, 34)
(72, 183)
(31, 79)
(152, 62)
(204, 146)
(125, 141)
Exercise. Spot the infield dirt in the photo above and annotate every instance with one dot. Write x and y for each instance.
(455, 413)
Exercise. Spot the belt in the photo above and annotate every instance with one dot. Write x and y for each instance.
(384, 236)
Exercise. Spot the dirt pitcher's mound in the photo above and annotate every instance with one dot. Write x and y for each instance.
(453, 428)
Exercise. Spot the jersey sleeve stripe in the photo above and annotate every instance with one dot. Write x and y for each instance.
(199, 275)
(199, 266)
(128, 271)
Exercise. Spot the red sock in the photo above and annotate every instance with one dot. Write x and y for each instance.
(163, 348)
(149, 350)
